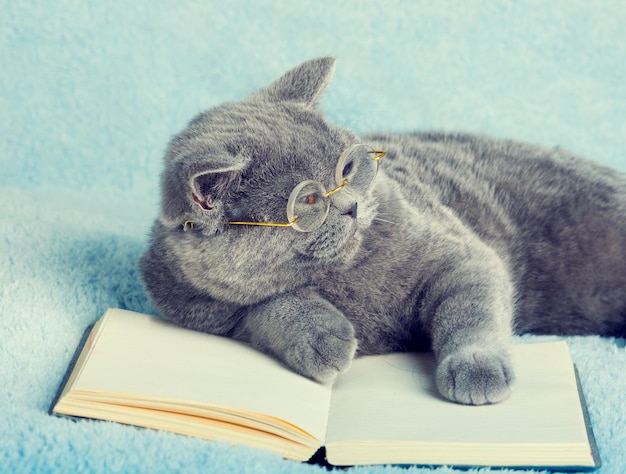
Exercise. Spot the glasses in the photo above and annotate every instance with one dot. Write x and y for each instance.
(309, 203)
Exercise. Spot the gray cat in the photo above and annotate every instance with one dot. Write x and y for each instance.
(284, 231)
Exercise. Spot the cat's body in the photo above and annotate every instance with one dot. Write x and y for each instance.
(458, 242)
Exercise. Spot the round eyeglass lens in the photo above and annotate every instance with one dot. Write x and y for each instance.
(358, 166)
(307, 207)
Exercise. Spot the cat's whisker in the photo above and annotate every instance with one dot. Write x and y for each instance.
(384, 220)
(391, 200)
(414, 202)
(402, 199)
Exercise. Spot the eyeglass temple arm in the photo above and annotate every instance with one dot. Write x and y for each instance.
(263, 224)
(189, 225)
(266, 224)
(380, 154)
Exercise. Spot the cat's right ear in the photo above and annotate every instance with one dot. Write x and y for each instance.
(200, 198)
(209, 185)
(304, 84)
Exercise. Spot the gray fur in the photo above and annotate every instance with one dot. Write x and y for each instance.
(459, 242)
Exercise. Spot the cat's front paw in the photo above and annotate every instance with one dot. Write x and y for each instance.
(325, 350)
(475, 376)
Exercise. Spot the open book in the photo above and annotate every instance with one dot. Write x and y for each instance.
(137, 369)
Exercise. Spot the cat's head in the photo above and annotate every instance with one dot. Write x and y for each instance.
(240, 162)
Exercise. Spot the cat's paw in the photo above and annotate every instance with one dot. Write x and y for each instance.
(475, 376)
(325, 350)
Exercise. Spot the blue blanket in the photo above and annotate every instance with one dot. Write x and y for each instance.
(90, 93)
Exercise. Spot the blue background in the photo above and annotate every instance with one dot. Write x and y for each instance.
(91, 92)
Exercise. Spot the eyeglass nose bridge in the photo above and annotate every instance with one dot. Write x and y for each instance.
(338, 188)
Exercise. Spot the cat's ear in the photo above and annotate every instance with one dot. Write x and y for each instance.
(203, 188)
(304, 84)
(208, 185)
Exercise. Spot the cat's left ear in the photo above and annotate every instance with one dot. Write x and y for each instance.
(209, 183)
(304, 84)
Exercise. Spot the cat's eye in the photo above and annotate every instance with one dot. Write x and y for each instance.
(347, 169)
(309, 203)
(307, 206)
(359, 165)
(311, 199)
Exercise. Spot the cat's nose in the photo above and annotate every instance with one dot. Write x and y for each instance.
(351, 212)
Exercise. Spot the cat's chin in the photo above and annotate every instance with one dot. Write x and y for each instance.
(347, 249)
(333, 247)
(352, 245)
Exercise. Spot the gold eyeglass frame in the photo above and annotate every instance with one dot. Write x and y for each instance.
(378, 155)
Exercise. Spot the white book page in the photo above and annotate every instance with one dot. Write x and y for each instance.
(141, 354)
(393, 398)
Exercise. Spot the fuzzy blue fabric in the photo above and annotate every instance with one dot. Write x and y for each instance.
(90, 93)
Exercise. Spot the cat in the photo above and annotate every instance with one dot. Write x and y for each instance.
(390, 242)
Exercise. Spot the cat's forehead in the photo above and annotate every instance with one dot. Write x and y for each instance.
(261, 123)
(272, 135)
